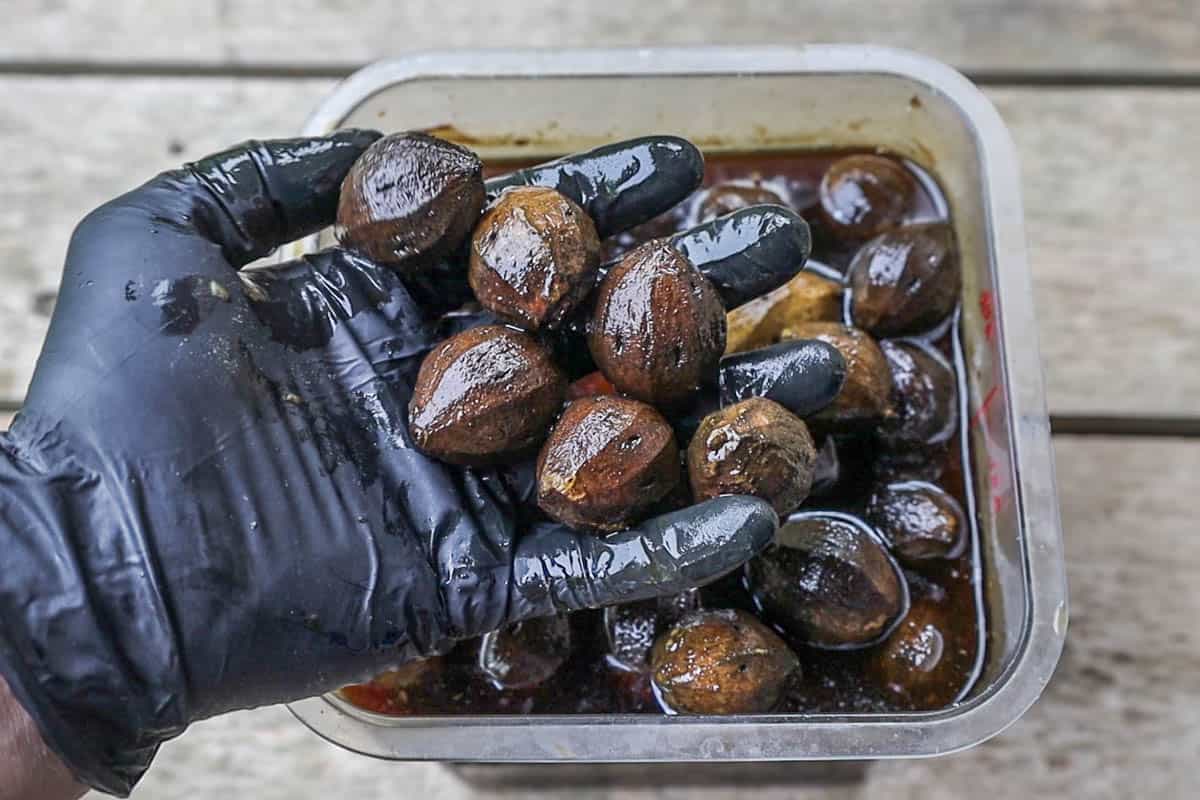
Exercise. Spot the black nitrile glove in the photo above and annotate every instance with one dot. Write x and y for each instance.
(211, 501)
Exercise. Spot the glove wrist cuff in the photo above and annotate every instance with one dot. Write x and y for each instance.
(96, 696)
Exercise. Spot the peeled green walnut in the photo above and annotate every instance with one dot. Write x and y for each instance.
(526, 654)
(410, 199)
(658, 329)
(866, 395)
(485, 395)
(861, 196)
(828, 581)
(905, 281)
(721, 662)
(755, 447)
(920, 521)
(534, 257)
(607, 463)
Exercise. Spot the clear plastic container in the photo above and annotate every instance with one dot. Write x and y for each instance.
(526, 104)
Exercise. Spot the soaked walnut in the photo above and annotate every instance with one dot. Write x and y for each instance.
(725, 198)
(721, 662)
(485, 395)
(862, 196)
(866, 393)
(924, 396)
(632, 628)
(808, 297)
(534, 257)
(920, 521)
(829, 581)
(905, 281)
(410, 199)
(608, 462)
(658, 329)
(524, 655)
(755, 447)
(923, 665)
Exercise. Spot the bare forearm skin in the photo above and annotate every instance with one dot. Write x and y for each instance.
(28, 770)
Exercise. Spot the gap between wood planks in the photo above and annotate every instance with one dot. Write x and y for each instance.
(1060, 424)
(1084, 78)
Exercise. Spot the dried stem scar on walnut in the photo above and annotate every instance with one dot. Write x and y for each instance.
(607, 462)
(658, 330)
(409, 199)
(485, 395)
(534, 257)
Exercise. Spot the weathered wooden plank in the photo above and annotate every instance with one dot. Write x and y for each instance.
(1111, 185)
(66, 146)
(1111, 35)
(1120, 719)
(1112, 181)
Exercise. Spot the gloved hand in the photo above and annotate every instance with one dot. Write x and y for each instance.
(210, 500)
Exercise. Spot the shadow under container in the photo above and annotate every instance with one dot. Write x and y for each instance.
(532, 105)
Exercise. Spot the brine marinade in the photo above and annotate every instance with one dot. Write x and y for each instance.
(930, 656)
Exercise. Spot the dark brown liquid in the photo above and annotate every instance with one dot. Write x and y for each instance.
(831, 681)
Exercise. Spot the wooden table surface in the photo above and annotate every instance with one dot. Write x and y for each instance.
(1103, 99)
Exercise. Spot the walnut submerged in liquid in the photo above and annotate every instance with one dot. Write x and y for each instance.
(721, 662)
(827, 580)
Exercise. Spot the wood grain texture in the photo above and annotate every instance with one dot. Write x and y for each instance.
(1111, 179)
(1120, 719)
(1071, 35)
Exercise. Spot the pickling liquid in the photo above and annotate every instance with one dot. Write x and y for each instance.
(951, 647)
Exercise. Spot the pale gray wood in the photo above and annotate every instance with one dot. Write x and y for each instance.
(976, 34)
(1120, 719)
(66, 146)
(1112, 184)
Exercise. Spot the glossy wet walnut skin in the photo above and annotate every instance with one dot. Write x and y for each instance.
(721, 662)
(905, 281)
(861, 196)
(409, 200)
(631, 629)
(808, 297)
(924, 396)
(828, 581)
(658, 330)
(526, 654)
(865, 397)
(725, 198)
(485, 395)
(607, 463)
(919, 521)
(923, 665)
(534, 257)
(755, 447)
